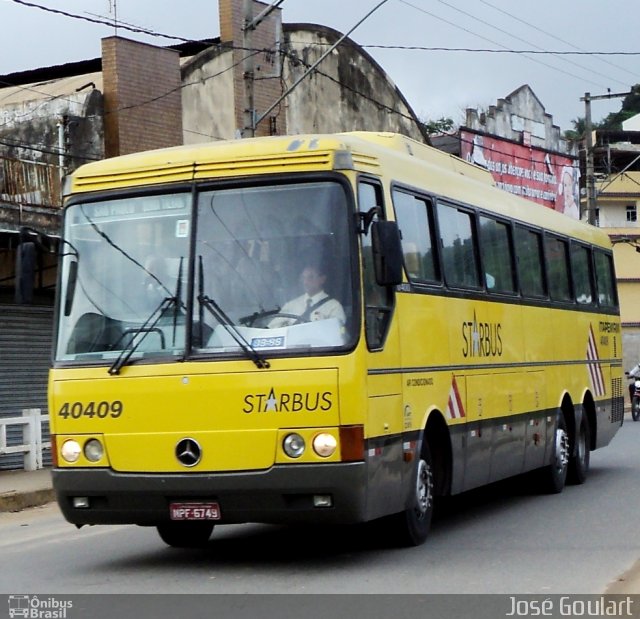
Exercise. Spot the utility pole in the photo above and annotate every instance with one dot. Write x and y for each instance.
(248, 65)
(592, 199)
(590, 181)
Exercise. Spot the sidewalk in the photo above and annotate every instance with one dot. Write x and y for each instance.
(22, 489)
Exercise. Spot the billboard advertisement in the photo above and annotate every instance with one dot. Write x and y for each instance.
(551, 179)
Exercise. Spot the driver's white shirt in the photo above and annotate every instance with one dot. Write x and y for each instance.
(298, 306)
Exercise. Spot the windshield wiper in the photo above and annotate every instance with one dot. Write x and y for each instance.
(149, 325)
(140, 333)
(219, 314)
(224, 320)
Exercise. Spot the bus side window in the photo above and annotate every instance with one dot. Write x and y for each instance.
(459, 243)
(378, 300)
(528, 249)
(557, 260)
(497, 255)
(414, 218)
(605, 279)
(582, 275)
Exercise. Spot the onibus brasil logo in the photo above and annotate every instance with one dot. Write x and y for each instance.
(37, 607)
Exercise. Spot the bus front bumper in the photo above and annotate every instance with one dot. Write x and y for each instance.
(281, 494)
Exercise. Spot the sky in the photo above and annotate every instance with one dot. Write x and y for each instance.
(436, 82)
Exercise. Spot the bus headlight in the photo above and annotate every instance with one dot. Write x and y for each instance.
(70, 450)
(93, 450)
(293, 445)
(325, 444)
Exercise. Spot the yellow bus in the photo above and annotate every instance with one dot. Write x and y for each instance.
(320, 329)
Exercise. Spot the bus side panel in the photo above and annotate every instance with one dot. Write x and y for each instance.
(384, 461)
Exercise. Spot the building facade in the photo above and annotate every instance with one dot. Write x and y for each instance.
(617, 185)
(517, 141)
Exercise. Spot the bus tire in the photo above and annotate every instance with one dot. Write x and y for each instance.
(185, 534)
(554, 475)
(414, 523)
(579, 462)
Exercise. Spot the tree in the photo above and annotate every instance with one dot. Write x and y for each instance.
(577, 133)
(613, 121)
(442, 125)
(630, 107)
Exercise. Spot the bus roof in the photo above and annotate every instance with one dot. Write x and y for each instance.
(402, 159)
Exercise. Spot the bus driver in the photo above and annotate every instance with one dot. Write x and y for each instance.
(314, 304)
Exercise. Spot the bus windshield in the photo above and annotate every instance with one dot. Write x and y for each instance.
(270, 269)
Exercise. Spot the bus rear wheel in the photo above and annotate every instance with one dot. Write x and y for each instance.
(579, 463)
(185, 534)
(554, 476)
(414, 523)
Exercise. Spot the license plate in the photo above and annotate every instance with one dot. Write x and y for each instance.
(194, 511)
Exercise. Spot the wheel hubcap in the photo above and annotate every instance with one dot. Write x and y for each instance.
(562, 449)
(424, 488)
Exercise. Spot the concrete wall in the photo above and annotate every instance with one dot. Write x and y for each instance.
(29, 118)
(208, 97)
(348, 91)
(520, 117)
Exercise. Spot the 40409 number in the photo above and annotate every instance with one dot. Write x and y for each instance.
(102, 410)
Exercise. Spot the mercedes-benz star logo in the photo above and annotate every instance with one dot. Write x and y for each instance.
(188, 452)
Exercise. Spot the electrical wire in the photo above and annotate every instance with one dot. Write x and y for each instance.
(553, 36)
(378, 103)
(517, 38)
(488, 50)
(475, 34)
(103, 22)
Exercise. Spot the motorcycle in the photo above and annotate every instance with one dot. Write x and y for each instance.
(634, 392)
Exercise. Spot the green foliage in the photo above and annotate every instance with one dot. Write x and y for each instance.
(613, 121)
(442, 125)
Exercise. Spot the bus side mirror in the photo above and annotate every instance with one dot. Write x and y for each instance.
(387, 253)
(71, 287)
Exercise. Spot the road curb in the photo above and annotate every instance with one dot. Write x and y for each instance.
(628, 583)
(17, 501)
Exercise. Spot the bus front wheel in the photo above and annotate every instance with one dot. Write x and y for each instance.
(414, 523)
(185, 534)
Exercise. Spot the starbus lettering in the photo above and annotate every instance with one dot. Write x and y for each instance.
(481, 339)
(287, 402)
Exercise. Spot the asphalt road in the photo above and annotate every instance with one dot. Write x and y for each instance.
(504, 539)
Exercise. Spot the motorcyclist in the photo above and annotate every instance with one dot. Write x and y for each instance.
(633, 374)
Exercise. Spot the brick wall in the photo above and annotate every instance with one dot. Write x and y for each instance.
(267, 85)
(142, 97)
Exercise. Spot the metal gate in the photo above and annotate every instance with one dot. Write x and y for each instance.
(25, 358)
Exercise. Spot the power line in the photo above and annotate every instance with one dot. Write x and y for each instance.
(103, 22)
(505, 50)
(509, 34)
(315, 64)
(475, 34)
(376, 102)
(43, 149)
(553, 36)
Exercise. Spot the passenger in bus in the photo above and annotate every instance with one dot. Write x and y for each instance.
(314, 304)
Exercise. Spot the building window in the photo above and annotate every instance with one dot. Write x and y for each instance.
(632, 213)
